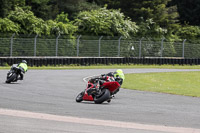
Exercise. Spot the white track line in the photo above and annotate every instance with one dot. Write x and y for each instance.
(96, 122)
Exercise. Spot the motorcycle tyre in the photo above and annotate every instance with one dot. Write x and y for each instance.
(105, 95)
(10, 79)
(79, 98)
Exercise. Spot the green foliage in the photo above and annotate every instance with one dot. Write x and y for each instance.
(188, 11)
(63, 17)
(51, 27)
(165, 17)
(8, 5)
(135, 9)
(72, 7)
(24, 22)
(61, 25)
(40, 8)
(189, 32)
(47, 17)
(65, 28)
(29, 23)
(64, 25)
(149, 28)
(104, 22)
(8, 26)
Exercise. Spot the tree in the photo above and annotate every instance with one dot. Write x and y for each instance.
(188, 10)
(24, 22)
(147, 9)
(8, 26)
(61, 25)
(163, 15)
(189, 32)
(27, 21)
(71, 7)
(41, 8)
(8, 5)
(105, 22)
(149, 28)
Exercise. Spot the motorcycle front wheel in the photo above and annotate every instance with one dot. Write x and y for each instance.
(79, 98)
(11, 78)
(103, 96)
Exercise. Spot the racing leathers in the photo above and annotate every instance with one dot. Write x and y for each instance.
(22, 68)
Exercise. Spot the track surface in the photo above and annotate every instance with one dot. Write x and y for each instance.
(51, 93)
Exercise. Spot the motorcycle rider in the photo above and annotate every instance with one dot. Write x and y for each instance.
(118, 76)
(22, 68)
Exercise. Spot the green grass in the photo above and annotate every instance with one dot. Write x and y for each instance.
(179, 83)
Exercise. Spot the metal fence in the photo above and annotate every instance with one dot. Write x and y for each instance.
(96, 47)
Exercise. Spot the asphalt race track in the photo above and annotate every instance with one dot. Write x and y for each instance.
(44, 102)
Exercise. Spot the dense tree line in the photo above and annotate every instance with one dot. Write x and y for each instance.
(173, 19)
(188, 10)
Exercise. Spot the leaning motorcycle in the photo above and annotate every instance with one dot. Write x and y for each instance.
(99, 91)
(12, 75)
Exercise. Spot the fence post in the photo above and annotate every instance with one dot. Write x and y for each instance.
(100, 45)
(119, 40)
(35, 41)
(140, 48)
(183, 52)
(161, 52)
(57, 44)
(11, 44)
(78, 45)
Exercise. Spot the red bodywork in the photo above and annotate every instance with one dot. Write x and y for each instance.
(87, 97)
(110, 85)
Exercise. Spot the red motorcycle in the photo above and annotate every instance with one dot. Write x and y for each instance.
(99, 90)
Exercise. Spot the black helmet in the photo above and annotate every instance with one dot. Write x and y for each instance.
(24, 61)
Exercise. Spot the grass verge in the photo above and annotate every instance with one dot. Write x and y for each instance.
(179, 83)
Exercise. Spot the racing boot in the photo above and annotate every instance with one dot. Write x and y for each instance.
(109, 100)
(20, 77)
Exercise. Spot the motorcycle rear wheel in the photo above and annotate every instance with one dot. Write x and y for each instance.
(104, 96)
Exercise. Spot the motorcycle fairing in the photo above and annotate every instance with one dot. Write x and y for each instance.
(112, 86)
(87, 97)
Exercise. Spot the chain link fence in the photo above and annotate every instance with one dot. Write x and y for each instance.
(83, 46)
